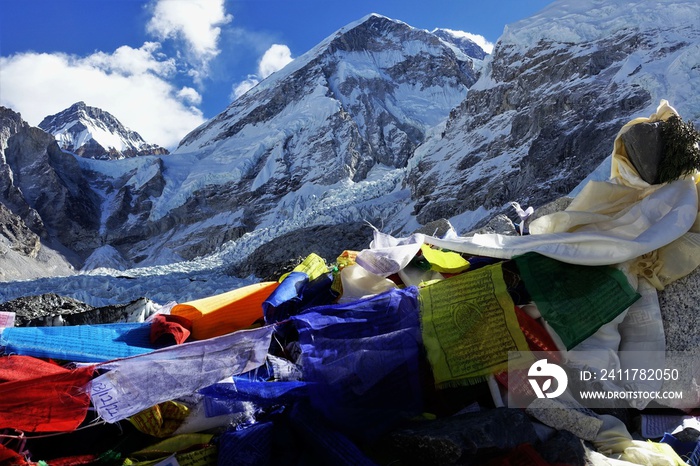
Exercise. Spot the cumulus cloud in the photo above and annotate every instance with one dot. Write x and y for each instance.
(130, 61)
(189, 95)
(476, 38)
(132, 84)
(274, 59)
(196, 22)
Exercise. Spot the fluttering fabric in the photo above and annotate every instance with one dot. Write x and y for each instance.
(251, 446)
(225, 398)
(362, 360)
(192, 449)
(576, 300)
(79, 343)
(296, 292)
(444, 261)
(135, 384)
(224, 313)
(16, 367)
(161, 420)
(169, 329)
(49, 400)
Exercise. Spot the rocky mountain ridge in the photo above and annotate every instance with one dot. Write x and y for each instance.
(94, 133)
(545, 114)
(381, 122)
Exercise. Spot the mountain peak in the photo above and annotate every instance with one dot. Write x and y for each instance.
(463, 41)
(94, 133)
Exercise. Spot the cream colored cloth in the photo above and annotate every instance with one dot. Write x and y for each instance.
(615, 441)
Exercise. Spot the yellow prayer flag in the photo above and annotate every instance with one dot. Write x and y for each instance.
(160, 420)
(314, 266)
(469, 325)
(444, 261)
(196, 451)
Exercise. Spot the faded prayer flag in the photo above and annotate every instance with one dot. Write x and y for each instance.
(224, 313)
(575, 300)
(469, 325)
(135, 384)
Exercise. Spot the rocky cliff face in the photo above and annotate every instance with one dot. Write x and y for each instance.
(545, 113)
(41, 201)
(94, 133)
(52, 184)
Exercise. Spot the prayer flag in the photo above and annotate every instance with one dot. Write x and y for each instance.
(444, 261)
(227, 312)
(575, 300)
(469, 325)
(49, 403)
(79, 343)
(135, 384)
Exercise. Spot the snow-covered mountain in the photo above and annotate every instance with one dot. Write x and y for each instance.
(94, 133)
(380, 122)
(558, 87)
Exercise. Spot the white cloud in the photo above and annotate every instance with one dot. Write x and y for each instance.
(241, 88)
(196, 22)
(274, 59)
(130, 84)
(129, 61)
(189, 95)
(476, 38)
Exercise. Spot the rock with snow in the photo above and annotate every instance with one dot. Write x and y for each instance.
(462, 41)
(15, 235)
(32, 308)
(94, 133)
(556, 90)
(282, 254)
(51, 310)
(45, 203)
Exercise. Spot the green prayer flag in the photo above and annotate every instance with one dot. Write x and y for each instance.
(575, 300)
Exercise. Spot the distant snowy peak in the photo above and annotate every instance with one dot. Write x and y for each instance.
(94, 133)
(576, 21)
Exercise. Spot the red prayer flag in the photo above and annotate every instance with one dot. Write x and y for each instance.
(18, 367)
(50, 403)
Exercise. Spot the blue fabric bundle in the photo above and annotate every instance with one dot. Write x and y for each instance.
(362, 361)
(295, 293)
(81, 343)
(225, 398)
(251, 446)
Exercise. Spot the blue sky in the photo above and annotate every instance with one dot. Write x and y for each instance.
(163, 67)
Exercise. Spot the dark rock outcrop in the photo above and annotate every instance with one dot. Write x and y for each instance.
(285, 252)
(50, 309)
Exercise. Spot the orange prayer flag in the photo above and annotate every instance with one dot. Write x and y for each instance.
(227, 312)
